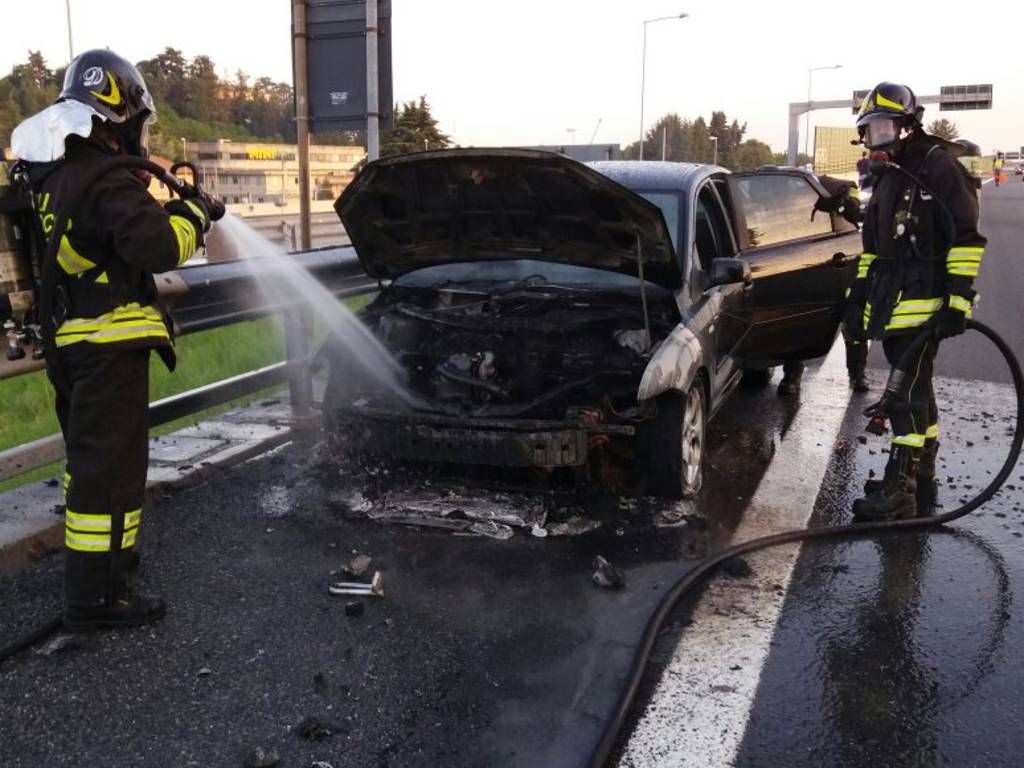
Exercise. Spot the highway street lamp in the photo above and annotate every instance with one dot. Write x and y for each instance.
(71, 47)
(643, 73)
(807, 119)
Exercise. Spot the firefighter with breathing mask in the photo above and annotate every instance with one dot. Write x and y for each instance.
(922, 251)
(105, 317)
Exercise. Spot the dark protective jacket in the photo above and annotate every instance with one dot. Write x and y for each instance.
(117, 237)
(915, 258)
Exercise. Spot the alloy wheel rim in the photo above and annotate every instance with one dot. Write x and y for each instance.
(693, 438)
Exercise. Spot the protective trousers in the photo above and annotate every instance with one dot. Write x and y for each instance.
(103, 408)
(915, 420)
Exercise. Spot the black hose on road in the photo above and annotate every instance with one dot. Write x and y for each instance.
(693, 577)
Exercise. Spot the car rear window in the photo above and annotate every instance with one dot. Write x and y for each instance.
(779, 208)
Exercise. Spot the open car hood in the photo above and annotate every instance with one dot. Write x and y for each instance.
(413, 211)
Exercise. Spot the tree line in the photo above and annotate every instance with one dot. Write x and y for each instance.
(680, 139)
(195, 103)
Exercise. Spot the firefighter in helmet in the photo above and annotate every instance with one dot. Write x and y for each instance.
(922, 251)
(104, 316)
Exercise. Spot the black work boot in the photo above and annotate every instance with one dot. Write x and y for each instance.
(130, 560)
(927, 481)
(792, 375)
(896, 495)
(858, 380)
(127, 610)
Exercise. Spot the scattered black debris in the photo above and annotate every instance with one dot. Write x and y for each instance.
(270, 401)
(737, 568)
(204, 672)
(735, 668)
(315, 729)
(58, 509)
(262, 758)
(320, 684)
(59, 644)
(51, 483)
(354, 608)
(357, 566)
(606, 575)
(862, 439)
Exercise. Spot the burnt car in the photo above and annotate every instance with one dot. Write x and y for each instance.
(548, 313)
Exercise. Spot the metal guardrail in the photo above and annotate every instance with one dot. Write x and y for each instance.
(213, 296)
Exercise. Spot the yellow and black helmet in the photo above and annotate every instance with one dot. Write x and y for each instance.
(887, 101)
(885, 111)
(112, 86)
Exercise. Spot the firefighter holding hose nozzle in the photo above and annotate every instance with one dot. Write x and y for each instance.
(101, 316)
(922, 251)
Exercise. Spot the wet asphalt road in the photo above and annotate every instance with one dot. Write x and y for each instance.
(904, 651)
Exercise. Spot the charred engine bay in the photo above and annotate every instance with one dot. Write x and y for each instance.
(530, 352)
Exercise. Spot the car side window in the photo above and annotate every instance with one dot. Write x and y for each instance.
(779, 208)
(711, 238)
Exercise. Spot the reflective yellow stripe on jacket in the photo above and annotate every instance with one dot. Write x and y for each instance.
(185, 230)
(911, 313)
(964, 261)
(70, 260)
(866, 259)
(127, 323)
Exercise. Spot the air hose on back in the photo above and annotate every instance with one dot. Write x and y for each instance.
(696, 575)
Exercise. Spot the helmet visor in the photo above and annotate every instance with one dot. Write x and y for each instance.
(881, 133)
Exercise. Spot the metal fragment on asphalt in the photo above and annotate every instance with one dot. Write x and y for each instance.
(606, 575)
(262, 758)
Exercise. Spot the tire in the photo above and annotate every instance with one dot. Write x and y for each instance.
(757, 378)
(675, 444)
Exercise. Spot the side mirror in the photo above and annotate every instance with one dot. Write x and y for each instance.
(727, 271)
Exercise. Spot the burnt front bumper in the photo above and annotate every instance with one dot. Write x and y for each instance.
(492, 442)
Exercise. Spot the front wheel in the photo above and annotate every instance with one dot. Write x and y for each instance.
(675, 444)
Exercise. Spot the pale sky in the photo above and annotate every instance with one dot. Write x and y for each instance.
(526, 71)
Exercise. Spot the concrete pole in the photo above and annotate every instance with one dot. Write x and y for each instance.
(372, 83)
(807, 115)
(664, 143)
(794, 136)
(302, 118)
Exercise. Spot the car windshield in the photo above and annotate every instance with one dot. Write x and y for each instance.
(520, 273)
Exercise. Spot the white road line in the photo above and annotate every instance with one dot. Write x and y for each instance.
(700, 707)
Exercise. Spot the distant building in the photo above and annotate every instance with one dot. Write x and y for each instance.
(250, 172)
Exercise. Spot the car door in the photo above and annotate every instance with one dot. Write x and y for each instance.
(801, 262)
(729, 304)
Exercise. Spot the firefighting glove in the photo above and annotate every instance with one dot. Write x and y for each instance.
(213, 205)
(951, 320)
(194, 210)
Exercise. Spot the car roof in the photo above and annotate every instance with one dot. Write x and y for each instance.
(655, 174)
